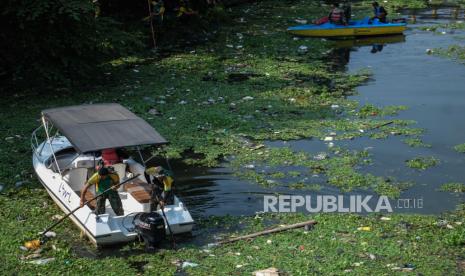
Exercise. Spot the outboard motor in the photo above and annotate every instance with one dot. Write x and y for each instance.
(151, 227)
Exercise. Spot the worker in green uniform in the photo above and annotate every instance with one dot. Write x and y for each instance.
(103, 180)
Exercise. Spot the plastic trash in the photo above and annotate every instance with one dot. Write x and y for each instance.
(302, 49)
(49, 234)
(57, 217)
(267, 272)
(364, 228)
(188, 264)
(42, 261)
(247, 98)
(321, 156)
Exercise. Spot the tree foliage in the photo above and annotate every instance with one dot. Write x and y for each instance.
(58, 42)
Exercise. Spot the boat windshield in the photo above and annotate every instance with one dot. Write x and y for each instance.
(64, 158)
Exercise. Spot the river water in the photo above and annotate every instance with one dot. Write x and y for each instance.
(404, 74)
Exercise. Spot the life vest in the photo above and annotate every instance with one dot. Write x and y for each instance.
(110, 157)
(336, 15)
(103, 184)
(379, 10)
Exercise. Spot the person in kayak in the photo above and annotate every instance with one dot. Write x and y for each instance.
(347, 10)
(103, 180)
(162, 181)
(380, 12)
(337, 15)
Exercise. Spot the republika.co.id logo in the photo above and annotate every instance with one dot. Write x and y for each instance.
(339, 204)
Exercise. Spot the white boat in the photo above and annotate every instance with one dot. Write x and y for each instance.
(66, 149)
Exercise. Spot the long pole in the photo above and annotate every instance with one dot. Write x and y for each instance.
(85, 203)
(151, 24)
(270, 231)
(167, 223)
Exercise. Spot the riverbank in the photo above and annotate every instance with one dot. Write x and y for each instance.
(249, 85)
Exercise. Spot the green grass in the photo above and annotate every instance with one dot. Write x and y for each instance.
(453, 187)
(334, 246)
(422, 163)
(460, 148)
(415, 143)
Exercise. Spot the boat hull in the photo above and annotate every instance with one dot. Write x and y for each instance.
(106, 228)
(354, 30)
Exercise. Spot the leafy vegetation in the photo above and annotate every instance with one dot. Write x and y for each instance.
(416, 142)
(394, 243)
(422, 163)
(460, 148)
(453, 187)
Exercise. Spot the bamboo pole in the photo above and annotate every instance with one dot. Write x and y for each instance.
(151, 24)
(269, 231)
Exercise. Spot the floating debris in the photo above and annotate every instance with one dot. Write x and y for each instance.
(247, 98)
(20, 183)
(364, 228)
(267, 272)
(188, 264)
(321, 156)
(153, 111)
(57, 217)
(302, 49)
(328, 138)
(42, 261)
(49, 234)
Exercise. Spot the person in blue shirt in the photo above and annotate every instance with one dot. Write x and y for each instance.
(380, 12)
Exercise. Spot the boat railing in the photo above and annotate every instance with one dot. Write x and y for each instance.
(35, 142)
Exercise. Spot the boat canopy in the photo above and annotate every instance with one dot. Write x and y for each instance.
(102, 126)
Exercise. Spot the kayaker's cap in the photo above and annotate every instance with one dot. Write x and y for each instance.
(375, 4)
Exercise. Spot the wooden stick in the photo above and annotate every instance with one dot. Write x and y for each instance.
(151, 24)
(383, 124)
(269, 231)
